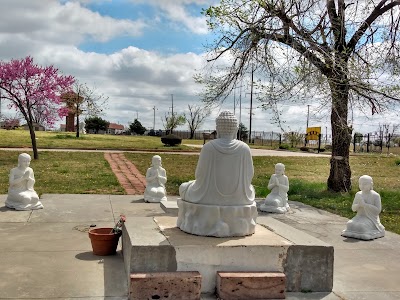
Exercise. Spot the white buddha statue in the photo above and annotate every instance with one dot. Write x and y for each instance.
(277, 200)
(366, 224)
(156, 177)
(21, 195)
(220, 201)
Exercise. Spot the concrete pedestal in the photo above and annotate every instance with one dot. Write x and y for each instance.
(155, 244)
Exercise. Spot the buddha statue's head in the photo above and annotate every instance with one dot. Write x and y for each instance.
(24, 159)
(279, 169)
(156, 161)
(227, 125)
(365, 183)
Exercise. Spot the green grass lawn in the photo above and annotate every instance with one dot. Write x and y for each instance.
(67, 140)
(65, 173)
(74, 172)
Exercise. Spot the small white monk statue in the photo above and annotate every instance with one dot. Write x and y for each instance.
(220, 201)
(21, 195)
(277, 200)
(366, 224)
(156, 177)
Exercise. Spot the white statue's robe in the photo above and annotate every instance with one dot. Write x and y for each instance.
(21, 195)
(366, 224)
(155, 185)
(277, 200)
(220, 201)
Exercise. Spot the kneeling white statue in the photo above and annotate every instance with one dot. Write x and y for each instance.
(21, 195)
(277, 200)
(156, 177)
(220, 201)
(366, 224)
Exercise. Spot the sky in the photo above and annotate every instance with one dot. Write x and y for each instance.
(142, 54)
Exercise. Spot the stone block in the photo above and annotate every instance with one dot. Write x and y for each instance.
(250, 285)
(145, 248)
(170, 207)
(165, 285)
(309, 261)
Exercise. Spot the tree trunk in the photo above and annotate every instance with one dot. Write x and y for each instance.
(191, 134)
(340, 174)
(33, 139)
(77, 121)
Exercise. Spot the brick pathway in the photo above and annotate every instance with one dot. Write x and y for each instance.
(127, 174)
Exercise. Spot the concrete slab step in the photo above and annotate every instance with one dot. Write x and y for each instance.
(250, 285)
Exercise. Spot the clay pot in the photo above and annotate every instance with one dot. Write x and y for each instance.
(103, 241)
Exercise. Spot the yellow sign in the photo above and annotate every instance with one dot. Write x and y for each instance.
(313, 133)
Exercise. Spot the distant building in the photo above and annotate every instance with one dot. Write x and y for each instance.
(36, 127)
(9, 124)
(114, 128)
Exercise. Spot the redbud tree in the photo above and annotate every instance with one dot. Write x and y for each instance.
(35, 92)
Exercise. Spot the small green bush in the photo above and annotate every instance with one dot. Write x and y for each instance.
(171, 140)
(284, 146)
(397, 162)
(304, 148)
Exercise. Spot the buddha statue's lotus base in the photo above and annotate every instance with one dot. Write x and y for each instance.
(366, 236)
(23, 203)
(151, 199)
(218, 221)
(274, 208)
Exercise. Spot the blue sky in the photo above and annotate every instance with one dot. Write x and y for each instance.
(169, 38)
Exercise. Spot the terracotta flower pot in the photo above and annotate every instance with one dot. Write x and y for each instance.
(103, 241)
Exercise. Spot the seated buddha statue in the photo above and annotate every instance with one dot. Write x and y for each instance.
(220, 200)
(277, 200)
(156, 177)
(366, 224)
(21, 195)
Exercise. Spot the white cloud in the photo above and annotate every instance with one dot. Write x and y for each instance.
(178, 12)
(51, 22)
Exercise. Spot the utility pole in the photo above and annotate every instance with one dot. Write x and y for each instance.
(308, 116)
(137, 115)
(251, 102)
(326, 135)
(235, 102)
(172, 107)
(240, 113)
(154, 118)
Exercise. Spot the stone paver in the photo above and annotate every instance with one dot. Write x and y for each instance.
(127, 174)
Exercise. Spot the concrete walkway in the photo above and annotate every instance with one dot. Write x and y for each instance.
(46, 254)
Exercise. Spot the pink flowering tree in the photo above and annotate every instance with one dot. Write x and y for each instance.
(35, 92)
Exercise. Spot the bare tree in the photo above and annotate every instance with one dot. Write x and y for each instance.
(196, 117)
(338, 52)
(170, 122)
(84, 100)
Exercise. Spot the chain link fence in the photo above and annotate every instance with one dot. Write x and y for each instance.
(377, 142)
